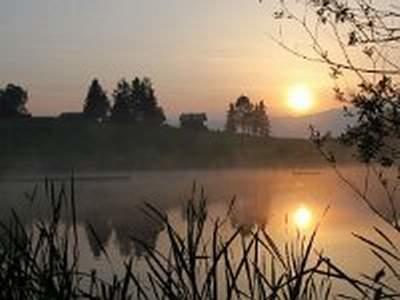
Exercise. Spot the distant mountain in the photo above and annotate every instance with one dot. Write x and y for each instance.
(332, 120)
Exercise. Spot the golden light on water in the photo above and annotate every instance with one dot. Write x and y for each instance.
(300, 99)
(302, 217)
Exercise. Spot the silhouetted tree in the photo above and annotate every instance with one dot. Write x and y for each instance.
(145, 102)
(137, 102)
(97, 105)
(123, 110)
(12, 102)
(260, 120)
(366, 34)
(366, 37)
(231, 119)
(244, 109)
(245, 117)
(137, 95)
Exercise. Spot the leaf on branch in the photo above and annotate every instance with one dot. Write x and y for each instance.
(279, 14)
(353, 39)
(368, 51)
(336, 72)
(339, 94)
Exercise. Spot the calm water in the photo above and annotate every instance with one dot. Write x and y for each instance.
(114, 207)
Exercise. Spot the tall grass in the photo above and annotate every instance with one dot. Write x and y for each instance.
(206, 260)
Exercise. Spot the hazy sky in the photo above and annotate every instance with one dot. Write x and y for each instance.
(199, 54)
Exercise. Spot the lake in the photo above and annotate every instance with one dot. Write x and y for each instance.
(113, 205)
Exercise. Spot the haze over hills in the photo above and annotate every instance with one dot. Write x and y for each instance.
(299, 127)
(332, 120)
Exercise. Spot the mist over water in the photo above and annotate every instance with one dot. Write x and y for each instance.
(113, 206)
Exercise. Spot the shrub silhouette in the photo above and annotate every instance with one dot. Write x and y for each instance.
(13, 101)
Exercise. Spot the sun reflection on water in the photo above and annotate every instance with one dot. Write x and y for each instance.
(302, 217)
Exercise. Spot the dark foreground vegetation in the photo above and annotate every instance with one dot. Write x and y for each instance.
(205, 260)
(47, 145)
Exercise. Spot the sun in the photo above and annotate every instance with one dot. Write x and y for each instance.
(300, 99)
(302, 217)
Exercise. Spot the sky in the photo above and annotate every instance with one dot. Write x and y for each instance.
(200, 55)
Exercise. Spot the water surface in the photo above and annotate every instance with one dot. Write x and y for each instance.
(113, 204)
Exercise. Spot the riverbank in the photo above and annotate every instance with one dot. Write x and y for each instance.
(50, 146)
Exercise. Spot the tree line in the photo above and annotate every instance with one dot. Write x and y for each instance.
(132, 102)
(136, 102)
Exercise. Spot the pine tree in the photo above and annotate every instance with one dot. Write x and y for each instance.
(263, 120)
(122, 110)
(231, 119)
(136, 102)
(96, 104)
(244, 109)
(146, 103)
(256, 117)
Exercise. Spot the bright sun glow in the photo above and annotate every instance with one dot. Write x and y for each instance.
(302, 217)
(300, 99)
